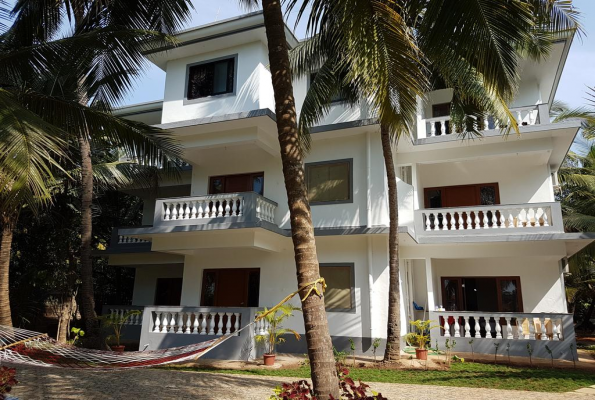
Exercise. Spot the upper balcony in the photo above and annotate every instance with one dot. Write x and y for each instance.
(524, 116)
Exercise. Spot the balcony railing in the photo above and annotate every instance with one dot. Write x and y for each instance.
(504, 332)
(127, 243)
(228, 207)
(440, 126)
(494, 219)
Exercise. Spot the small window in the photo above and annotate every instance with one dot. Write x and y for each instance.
(339, 287)
(329, 182)
(440, 110)
(337, 97)
(211, 78)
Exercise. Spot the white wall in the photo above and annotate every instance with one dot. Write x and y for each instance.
(540, 278)
(521, 179)
(253, 85)
(145, 281)
(278, 279)
(235, 160)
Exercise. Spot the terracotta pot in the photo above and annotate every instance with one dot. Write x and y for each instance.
(119, 349)
(421, 354)
(269, 359)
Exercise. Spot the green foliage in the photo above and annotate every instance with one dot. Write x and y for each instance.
(275, 331)
(375, 344)
(78, 334)
(116, 322)
(340, 356)
(422, 332)
(473, 375)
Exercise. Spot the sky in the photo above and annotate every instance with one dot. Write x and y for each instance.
(578, 75)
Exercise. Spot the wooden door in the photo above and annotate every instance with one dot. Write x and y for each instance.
(462, 195)
(238, 183)
(230, 287)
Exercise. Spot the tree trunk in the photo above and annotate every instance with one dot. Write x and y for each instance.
(392, 352)
(9, 222)
(320, 348)
(64, 319)
(87, 296)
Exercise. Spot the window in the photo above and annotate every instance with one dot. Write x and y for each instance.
(329, 181)
(253, 182)
(339, 294)
(490, 294)
(168, 291)
(211, 78)
(440, 110)
(337, 97)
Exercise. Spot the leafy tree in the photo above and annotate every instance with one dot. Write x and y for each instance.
(72, 81)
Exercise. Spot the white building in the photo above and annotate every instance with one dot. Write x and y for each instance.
(481, 232)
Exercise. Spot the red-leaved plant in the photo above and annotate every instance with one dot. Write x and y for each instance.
(301, 390)
(7, 380)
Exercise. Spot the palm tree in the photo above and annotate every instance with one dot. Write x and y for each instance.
(483, 78)
(104, 56)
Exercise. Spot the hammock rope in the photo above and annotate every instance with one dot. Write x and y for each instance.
(21, 346)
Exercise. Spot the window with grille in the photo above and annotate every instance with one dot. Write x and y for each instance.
(211, 78)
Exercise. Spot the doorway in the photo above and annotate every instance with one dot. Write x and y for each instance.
(490, 294)
(168, 292)
(238, 183)
(230, 287)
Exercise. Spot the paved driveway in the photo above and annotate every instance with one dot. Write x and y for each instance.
(63, 384)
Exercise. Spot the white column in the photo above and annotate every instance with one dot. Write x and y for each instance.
(191, 282)
(430, 285)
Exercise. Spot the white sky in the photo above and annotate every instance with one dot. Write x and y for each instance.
(579, 72)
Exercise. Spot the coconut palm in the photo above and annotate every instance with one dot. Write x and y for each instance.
(70, 83)
(355, 53)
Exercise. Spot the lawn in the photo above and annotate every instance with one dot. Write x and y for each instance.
(462, 375)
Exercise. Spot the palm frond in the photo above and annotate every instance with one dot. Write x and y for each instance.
(30, 153)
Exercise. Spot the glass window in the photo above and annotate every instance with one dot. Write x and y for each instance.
(211, 79)
(451, 294)
(487, 195)
(509, 295)
(209, 286)
(329, 182)
(435, 198)
(339, 287)
(337, 97)
(258, 184)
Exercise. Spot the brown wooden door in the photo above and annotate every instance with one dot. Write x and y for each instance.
(235, 287)
(462, 195)
(238, 183)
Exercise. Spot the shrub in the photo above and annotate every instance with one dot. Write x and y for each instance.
(7, 380)
(302, 390)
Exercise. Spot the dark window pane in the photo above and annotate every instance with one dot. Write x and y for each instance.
(339, 286)
(209, 287)
(487, 195)
(435, 198)
(253, 288)
(440, 110)
(258, 185)
(217, 185)
(210, 79)
(509, 295)
(451, 294)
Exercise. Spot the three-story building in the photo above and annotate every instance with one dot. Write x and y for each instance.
(482, 244)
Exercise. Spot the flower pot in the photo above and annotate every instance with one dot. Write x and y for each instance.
(421, 354)
(119, 349)
(269, 359)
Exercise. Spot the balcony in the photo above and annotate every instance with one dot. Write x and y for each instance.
(524, 116)
(514, 332)
(490, 220)
(214, 209)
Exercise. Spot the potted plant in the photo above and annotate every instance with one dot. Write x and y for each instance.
(275, 331)
(116, 322)
(421, 337)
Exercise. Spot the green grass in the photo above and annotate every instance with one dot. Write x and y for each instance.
(462, 375)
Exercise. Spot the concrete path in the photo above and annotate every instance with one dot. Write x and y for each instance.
(145, 384)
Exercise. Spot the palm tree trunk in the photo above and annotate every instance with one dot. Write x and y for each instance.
(392, 351)
(320, 348)
(9, 222)
(87, 295)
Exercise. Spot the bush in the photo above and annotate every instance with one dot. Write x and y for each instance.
(7, 380)
(302, 390)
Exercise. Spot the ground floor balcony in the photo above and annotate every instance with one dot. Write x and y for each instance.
(515, 334)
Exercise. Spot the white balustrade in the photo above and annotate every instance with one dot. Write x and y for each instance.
(500, 216)
(541, 326)
(231, 205)
(130, 240)
(523, 116)
(197, 322)
(135, 319)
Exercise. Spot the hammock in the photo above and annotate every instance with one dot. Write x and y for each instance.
(21, 346)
